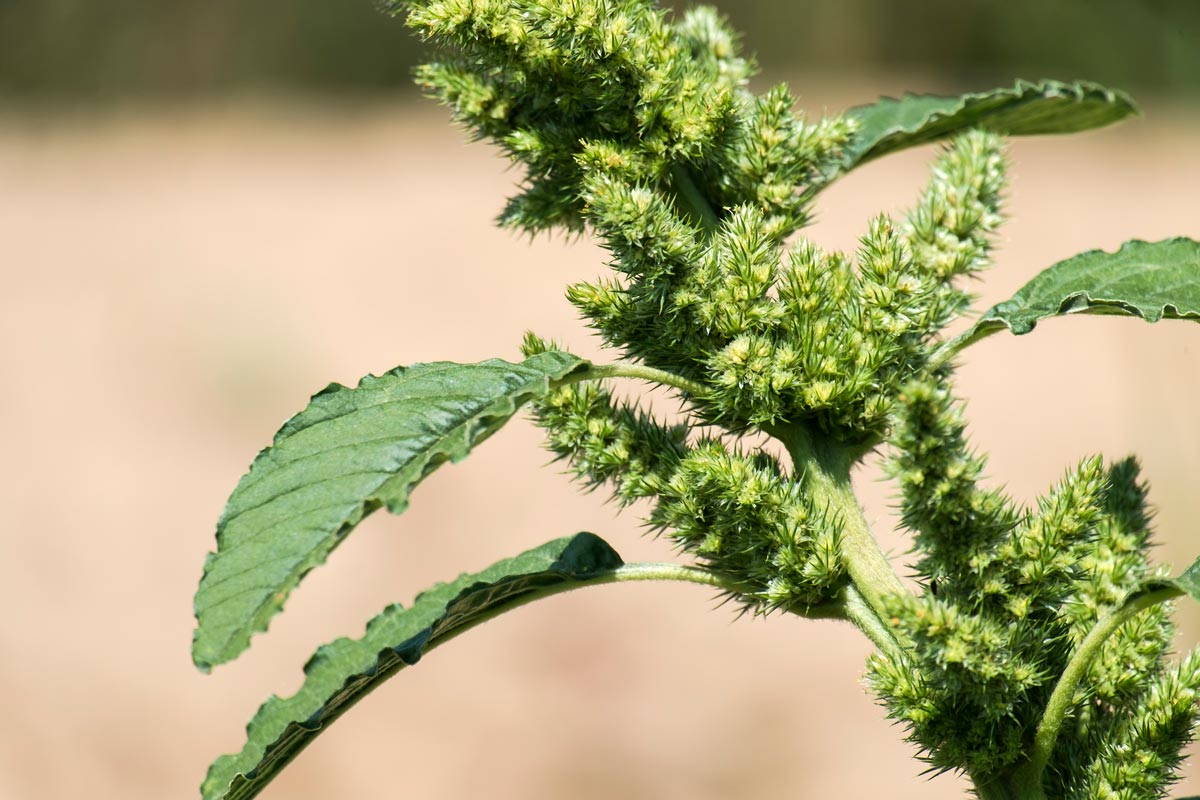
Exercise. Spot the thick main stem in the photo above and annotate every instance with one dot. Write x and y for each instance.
(825, 468)
(999, 790)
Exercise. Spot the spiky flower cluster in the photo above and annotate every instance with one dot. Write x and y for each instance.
(739, 513)
(1010, 596)
(565, 87)
(641, 128)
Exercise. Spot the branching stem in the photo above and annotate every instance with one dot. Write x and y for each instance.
(852, 608)
(860, 613)
(1029, 777)
(826, 470)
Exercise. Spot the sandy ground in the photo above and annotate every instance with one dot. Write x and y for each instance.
(177, 284)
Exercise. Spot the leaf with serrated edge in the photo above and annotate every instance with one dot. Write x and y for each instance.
(1151, 280)
(1023, 110)
(348, 453)
(344, 671)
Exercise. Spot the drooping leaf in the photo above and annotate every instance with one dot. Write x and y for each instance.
(1022, 110)
(344, 671)
(1151, 280)
(349, 452)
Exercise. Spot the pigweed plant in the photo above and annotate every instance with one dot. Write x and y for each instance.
(1033, 655)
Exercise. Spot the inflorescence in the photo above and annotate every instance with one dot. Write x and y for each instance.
(642, 129)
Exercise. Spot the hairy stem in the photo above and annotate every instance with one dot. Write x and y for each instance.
(1029, 777)
(597, 372)
(626, 573)
(664, 571)
(952, 347)
(826, 469)
(859, 612)
(643, 571)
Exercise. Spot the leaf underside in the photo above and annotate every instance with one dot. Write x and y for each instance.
(351, 451)
(1188, 582)
(1151, 280)
(1025, 109)
(344, 671)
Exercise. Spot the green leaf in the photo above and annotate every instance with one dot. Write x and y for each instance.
(1025, 109)
(350, 452)
(343, 672)
(1188, 582)
(1151, 280)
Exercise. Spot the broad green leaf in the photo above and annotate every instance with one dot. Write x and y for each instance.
(1023, 110)
(350, 452)
(343, 672)
(1151, 280)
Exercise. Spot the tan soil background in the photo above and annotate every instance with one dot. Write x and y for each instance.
(177, 283)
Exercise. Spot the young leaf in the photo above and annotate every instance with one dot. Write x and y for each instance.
(350, 452)
(344, 671)
(1025, 109)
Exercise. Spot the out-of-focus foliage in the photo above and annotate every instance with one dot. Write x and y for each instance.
(1138, 45)
(71, 49)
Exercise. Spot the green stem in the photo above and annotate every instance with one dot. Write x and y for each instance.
(597, 372)
(1000, 790)
(664, 571)
(952, 347)
(853, 607)
(626, 573)
(1029, 777)
(859, 612)
(825, 468)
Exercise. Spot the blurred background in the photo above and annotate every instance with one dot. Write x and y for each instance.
(210, 210)
(79, 51)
